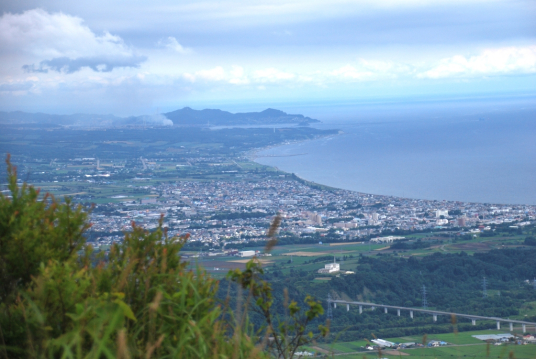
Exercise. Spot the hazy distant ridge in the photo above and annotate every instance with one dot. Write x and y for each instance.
(184, 117)
(188, 116)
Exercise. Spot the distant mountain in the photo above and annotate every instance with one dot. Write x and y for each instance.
(188, 116)
(43, 119)
(184, 117)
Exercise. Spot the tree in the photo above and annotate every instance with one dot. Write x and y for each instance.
(34, 230)
(60, 299)
(282, 336)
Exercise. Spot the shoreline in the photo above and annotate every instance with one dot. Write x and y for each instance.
(252, 156)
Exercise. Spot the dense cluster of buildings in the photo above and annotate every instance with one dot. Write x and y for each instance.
(220, 213)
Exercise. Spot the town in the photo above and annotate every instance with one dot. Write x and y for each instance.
(223, 213)
(206, 183)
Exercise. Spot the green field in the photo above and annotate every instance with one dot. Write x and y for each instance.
(476, 351)
(460, 345)
(303, 255)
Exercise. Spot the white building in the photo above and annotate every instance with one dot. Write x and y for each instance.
(441, 212)
(246, 253)
(388, 239)
(330, 267)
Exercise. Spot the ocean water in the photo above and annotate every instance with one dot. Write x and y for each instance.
(466, 150)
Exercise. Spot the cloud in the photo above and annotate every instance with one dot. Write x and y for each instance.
(157, 119)
(215, 74)
(272, 75)
(490, 62)
(238, 77)
(501, 61)
(15, 87)
(372, 70)
(351, 72)
(172, 44)
(67, 65)
(62, 43)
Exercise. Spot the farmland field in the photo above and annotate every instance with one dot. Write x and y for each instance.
(461, 345)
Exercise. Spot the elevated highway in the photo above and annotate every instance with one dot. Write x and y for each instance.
(432, 312)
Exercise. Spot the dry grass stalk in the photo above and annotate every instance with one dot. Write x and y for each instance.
(122, 347)
(272, 240)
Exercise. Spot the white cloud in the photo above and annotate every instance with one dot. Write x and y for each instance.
(215, 74)
(238, 77)
(501, 61)
(62, 41)
(54, 35)
(272, 75)
(371, 70)
(284, 11)
(237, 71)
(172, 44)
(349, 71)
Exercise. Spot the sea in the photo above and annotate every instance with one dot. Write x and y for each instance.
(470, 149)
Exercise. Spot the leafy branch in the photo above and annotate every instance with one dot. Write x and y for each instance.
(283, 336)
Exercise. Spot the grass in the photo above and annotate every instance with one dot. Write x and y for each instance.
(348, 347)
(465, 346)
(369, 355)
(528, 309)
(463, 337)
(474, 351)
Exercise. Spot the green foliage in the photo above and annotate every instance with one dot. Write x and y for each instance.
(406, 245)
(140, 301)
(453, 281)
(61, 300)
(530, 241)
(34, 230)
(282, 336)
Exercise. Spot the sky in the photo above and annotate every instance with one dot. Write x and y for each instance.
(132, 57)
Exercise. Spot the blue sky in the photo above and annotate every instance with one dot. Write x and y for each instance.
(135, 57)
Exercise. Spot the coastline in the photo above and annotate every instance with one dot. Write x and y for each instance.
(252, 156)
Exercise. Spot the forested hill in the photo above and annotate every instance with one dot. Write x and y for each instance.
(182, 117)
(188, 116)
(454, 282)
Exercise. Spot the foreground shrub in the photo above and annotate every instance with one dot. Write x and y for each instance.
(60, 299)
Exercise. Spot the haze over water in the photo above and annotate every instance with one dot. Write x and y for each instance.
(474, 151)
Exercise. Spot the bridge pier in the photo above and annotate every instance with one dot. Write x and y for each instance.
(435, 313)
